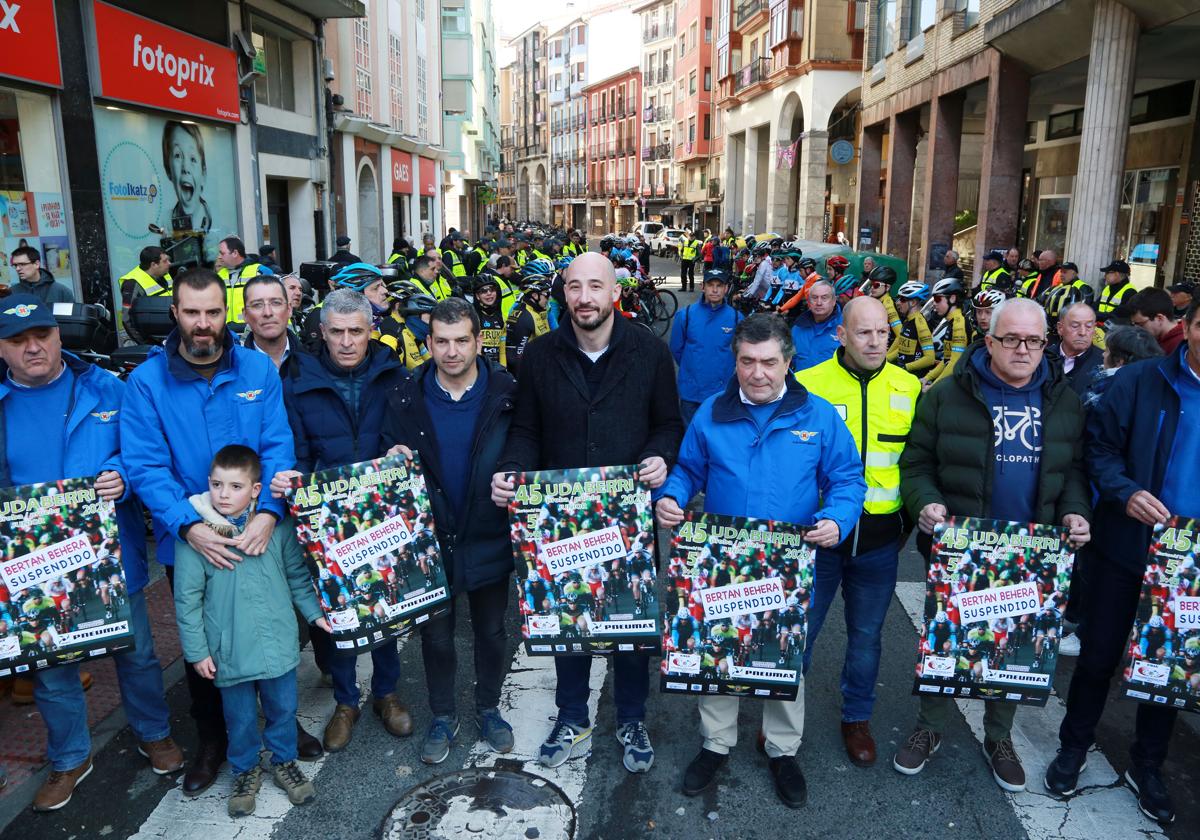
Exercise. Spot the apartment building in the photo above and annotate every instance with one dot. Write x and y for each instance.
(566, 54)
(657, 21)
(788, 74)
(531, 125)
(1065, 125)
(506, 185)
(693, 200)
(614, 173)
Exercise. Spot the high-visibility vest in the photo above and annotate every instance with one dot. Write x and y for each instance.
(399, 260)
(235, 300)
(1113, 296)
(879, 413)
(454, 261)
(440, 288)
(687, 251)
(522, 257)
(149, 285)
(991, 278)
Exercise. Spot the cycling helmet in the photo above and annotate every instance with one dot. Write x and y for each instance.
(357, 276)
(539, 286)
(883, 274)
(485, 280)
(628, 282)
(762, 248)
(988, 298)
(808, 264)
(913, 290)
(562, 262)
(1060, 297)
(1026, 265)
(418, 304)
(838, 262)
(632, 263)
(845, 285)
(948, 286)
(606, 242)
(537, 268)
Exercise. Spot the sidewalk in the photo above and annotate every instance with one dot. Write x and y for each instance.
(22, 733)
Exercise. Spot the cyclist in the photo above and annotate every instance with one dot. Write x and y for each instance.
(982, 305)
(807, 267)
(491, 317)
(950, 335)
(407, 326)
(527, 321)
(763, 274)
(788, 279)
(913, 347)
(880, 281)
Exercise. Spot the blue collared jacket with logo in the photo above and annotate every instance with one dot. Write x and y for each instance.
(700, 342)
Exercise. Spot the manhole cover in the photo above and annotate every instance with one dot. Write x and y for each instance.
(486, 803)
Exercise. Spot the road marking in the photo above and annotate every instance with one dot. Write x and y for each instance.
(1102, 807)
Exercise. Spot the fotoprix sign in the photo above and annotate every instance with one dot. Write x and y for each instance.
(150, 64)
(29, 42)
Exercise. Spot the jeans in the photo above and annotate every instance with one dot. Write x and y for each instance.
(62, 705)
(687, 410)
(631, 686)
(206, 697)
(1108, 613)
(278, 698)
(487, 605)
(385, 673)
(868, 581)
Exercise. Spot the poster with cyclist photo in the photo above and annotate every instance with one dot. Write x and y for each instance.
(62, 585)
(1162, 664)
(584, 546)
(368, 534)
(735, 612)
(994, 599)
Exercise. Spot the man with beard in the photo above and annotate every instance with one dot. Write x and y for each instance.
(491, 319)
(194, 395)
(600, 392)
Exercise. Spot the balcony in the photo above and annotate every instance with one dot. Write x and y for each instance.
(651, 114)
(657, 30)
(557, 192)
(751, 74)
(714, 188)
(746, 10)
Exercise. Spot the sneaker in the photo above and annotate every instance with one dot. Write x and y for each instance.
(1069, 646)
(1153, 798)
(701, 772)
(790, 786)
(245, 789)
(436, 746)
(914, 755)
(291, 780)
(1005, 764)
(164, 755)
(639, 754)
(565, 741)
(1062, 776)
(495, 730)
(58, 788)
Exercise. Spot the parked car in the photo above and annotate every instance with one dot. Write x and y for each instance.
(648, 229)
(666, 242)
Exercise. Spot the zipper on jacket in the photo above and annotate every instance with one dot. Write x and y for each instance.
(862, 454)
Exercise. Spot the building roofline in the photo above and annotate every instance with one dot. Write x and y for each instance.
(634, 70)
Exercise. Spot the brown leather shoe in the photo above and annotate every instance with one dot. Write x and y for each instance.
(164, 754)
(860, 746)
(85, 680)
(394, 714)
(308, 748)
(340, 728)
(22, 691)
(210, 755)
(57, 790)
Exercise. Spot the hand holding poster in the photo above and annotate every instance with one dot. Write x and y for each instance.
(994, 597)
(1162, 664)
(62, 586)
(584, 543)
(736, 606)
(371, 543)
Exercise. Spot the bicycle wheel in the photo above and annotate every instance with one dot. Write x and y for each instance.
(667, 303)
(660, 321)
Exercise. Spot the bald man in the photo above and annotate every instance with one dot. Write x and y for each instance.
(596, 392)
(877, 402)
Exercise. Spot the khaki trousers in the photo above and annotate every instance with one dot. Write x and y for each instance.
(782, 723)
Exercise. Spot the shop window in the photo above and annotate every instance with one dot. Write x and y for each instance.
(277, 88)
(1066, 124)
(1163, 103)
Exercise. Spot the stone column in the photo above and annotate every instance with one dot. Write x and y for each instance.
(779, 190)
(1003, 153)
(1092, 226)
(902, 158)
(870, 159)
(942, 153)
(750, 175)
(814, 164)
(733, 165)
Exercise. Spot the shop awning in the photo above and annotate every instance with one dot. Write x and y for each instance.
(674, 208)
(329, 8)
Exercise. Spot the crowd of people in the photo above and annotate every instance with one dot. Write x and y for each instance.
(858, 407)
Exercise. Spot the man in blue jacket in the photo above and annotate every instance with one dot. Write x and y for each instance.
(815, 330)
(1142, 455)
(70, 408)
(335, 403)
(194, 395)
(700, 338)
(765, 448)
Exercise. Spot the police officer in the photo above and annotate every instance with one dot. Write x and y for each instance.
(452, 257)
(151, 277)
(343, 256)
(1117, 288)
(234, 271)
(995, 274)
(688, 249)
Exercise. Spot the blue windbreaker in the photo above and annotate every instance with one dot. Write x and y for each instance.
(173, 422)
(804, 465)
(815, 343)
(92, 445)
(700, 339)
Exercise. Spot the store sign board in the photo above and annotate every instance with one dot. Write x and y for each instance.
(402, 171)
(147, 63)
(428, 176)
(29, 42)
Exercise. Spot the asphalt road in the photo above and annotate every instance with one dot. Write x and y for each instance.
(954, 797)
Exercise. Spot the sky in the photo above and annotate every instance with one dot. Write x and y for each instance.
(615, 35)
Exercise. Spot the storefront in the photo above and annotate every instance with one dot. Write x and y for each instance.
(429, 209)
(34, 209)
(167, 104)
(402, 194)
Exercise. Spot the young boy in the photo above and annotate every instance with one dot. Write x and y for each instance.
(237, 627)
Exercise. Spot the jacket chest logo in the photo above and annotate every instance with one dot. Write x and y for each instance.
(104, 416)
(21, 311)
(803, 435)
(727, 331)
(250, 396)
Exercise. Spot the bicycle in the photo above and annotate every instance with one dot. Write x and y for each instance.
(657, 306)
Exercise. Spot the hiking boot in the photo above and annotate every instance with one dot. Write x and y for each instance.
(340, 728)
(395, 716)
(1152, 794)
(639, 754)
(495, 730)
(790, 786)
(164, 754)
(914, 755)
(1005, 764)
(438, 740)
(245, 789)
(291, 780)
(1062, 776)
(565, 741)
(57, 790)
(701, 772)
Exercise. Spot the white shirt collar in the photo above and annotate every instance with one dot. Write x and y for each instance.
(774, 399)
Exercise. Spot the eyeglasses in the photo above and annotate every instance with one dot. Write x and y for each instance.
(876, 284)
(260, 305)
(21, 264)
(939, 298)
(1011, 342)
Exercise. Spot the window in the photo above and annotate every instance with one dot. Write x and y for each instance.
(884, 27)
(691, 135)
(708, 78)
(276, 89)
(860, 15)
(1066, 124)
(579, 35)
(420, 9)
(707, 126)
(682, 45)
(692, 83)
(694, 34)
(779, 16)
(396, 80)
(1162, 103)
(422, 99)
(722, 62)
(970, 11)
(708, 30)
(922, 15)
(454, 19)
(362, 68)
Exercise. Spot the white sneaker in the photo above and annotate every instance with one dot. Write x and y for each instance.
(1069, 646)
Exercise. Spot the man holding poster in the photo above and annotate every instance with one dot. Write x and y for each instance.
(1143, 454)
(1001, 439)
(599, 392)
(765, 448)
(56, 398)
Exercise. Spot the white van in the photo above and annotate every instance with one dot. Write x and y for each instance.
(648, 229)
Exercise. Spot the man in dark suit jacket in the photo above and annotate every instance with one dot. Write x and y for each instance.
(1074, 351)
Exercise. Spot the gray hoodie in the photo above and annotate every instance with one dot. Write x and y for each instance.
(47, 289)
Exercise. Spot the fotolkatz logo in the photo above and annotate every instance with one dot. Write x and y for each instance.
(145, 62)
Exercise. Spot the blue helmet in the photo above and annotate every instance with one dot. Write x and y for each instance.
(562, 262)
(537, 268)
(356, 276)
(914, 290)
